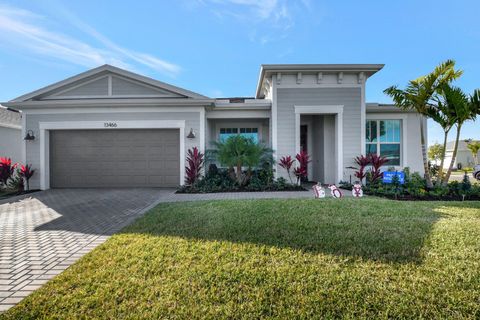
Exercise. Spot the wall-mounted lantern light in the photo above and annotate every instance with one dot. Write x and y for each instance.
(192, 134)
(30, 136)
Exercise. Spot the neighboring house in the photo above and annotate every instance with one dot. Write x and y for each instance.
(108, 127)
(10, 134)
(464, 156)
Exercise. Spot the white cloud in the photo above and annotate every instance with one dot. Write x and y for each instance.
(22, 29)
(268, 20)
(258, 10)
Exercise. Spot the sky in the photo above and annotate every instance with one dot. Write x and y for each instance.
(216, 47)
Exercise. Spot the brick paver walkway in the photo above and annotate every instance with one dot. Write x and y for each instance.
(42, 234)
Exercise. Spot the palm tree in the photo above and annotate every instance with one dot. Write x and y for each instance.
(237, 152)
(474, 147)
(442, 115)
(419, 95)
(463, 108)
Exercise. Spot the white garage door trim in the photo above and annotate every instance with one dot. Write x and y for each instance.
(106, 125)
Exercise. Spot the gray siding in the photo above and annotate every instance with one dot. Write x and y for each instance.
(350, 98)
(95, 88)
(11, 143)
(124, 87)
(192, 120)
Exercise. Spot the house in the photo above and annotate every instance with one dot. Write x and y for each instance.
(464, 156)
(10, 134)
(109, 127)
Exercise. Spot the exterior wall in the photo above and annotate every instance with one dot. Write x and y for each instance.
(214, 125)
(192, 120)
(11, 143)
(464, 157)
(349, 97)
(414, 147)
(411, 146)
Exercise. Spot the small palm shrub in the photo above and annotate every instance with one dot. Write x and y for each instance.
(238, 152)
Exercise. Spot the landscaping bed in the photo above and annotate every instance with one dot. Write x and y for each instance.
(303, 258)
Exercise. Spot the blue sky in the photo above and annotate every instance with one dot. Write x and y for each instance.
(215, 47)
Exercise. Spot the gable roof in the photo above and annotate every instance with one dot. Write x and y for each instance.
(96, 75)
(10, 118)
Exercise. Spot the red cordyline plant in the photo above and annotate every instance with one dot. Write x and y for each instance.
(26, 173)
(301, 171)
(195, 162)
(7, 169)
(287, 163)
(362, 162)
(377, 162)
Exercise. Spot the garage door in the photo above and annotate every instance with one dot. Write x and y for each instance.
(114, 158)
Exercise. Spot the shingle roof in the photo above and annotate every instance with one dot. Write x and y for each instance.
(9, 117)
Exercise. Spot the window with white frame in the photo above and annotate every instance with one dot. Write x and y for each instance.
(383, 137)
(252, 133)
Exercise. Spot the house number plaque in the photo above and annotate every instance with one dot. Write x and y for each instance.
(110, 124)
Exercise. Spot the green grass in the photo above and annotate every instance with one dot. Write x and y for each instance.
(349, 258)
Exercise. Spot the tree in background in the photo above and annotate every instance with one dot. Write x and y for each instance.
(419, 95)
(436, 152)
(462, 108)
(474, 147)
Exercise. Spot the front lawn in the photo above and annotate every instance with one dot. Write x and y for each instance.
(277, 258)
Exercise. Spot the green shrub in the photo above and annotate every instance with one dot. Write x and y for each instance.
(221, 180)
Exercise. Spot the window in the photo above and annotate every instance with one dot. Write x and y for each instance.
(383, 137)
(252, 133)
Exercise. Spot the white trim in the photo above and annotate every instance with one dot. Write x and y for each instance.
(322, 109)
(110, 86)
(202, 130)
(240, 124)
(404, 142)
(10, 126)
(109, 102)
(320, 85)
(24, 142)
(274, 126)
(109, 110)
(363, 113)
(337, 110)
(45, 128)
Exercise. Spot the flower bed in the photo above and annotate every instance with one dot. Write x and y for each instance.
(220, 180)
(415, 188)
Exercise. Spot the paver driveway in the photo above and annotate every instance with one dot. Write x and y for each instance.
(43, 234)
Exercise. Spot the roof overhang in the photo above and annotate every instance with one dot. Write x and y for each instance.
(373, 107)
(266, 70)
(25, 105)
